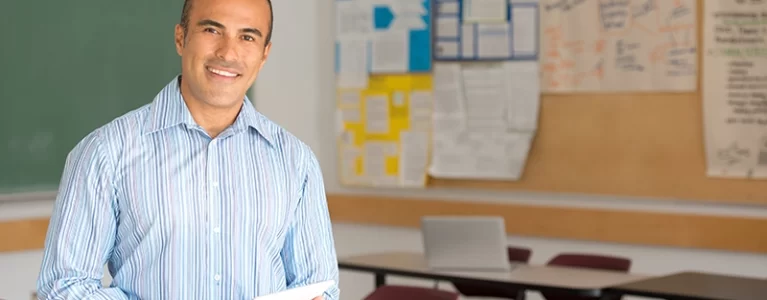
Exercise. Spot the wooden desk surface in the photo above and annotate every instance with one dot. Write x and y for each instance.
(696, 286)
(572, 280)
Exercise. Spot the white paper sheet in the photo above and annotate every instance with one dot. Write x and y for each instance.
(524, 86)
(448, 27)
(444, 8)
(377, 114)
(735, 88)
(354, 25)
(485, 119)
(476, 11)
(390, 51)
(354, 19)
(486, 96)
(374, 160)
(493, 40)
(499, 156)
(524, 21)
(307, 292)
(352, 53)
(414, 158)
(448, 90)
(421, 111)
(349, 98)
(600, 45)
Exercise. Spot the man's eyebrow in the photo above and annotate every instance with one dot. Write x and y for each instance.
(209, 22)
(253, 31)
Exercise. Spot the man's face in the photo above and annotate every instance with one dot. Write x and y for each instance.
(223, 50)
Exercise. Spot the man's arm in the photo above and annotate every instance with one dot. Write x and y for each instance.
(309, 253)
(82, 228)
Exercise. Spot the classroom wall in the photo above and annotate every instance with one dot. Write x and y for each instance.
(296, 90)
(305, 56)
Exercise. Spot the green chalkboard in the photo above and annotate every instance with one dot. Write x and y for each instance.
(68, 67)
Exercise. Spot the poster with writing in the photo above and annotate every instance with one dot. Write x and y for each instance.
(618, 45)
(735, 88)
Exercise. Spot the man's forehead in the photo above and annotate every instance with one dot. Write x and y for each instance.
(254, 12)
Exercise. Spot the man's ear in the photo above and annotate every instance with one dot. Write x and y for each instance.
(179, 39)
(266, 54)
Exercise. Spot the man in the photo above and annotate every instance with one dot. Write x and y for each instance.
(194, 195)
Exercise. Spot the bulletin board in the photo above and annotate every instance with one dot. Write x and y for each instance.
(636, 145)
(642, 145)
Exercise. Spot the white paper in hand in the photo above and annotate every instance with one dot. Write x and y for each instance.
(307, 292)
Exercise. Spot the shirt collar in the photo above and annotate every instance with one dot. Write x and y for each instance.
(168, 109)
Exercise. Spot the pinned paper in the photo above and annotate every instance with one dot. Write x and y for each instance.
(485, 11)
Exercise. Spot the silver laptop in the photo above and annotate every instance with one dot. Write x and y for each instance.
(469, 243)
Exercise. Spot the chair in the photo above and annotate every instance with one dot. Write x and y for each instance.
(481, 290)
(588, 261)
(398, 292)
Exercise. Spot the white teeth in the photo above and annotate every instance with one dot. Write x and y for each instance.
(222, 73)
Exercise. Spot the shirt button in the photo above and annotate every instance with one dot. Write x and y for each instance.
(217, 277)
(217, 229)
(215, 184)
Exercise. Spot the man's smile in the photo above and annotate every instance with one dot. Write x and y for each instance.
(222, 72)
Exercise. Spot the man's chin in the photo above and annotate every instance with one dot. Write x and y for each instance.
(224, 99)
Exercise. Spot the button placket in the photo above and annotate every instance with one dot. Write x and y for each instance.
(215, 211)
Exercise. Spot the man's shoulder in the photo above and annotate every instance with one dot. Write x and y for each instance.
(115, 132)
(285, 141)
(128, 124)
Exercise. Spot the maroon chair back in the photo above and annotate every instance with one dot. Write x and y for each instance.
(516, 254)
(398, 292)
(588, 261)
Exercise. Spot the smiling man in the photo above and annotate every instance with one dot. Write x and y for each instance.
(195, 195)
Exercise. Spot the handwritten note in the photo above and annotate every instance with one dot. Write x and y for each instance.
(618, 45)
(735, 88)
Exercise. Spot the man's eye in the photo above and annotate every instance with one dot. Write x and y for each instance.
(248, 38)
(211, 30)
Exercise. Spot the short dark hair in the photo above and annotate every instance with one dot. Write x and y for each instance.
(188, 6)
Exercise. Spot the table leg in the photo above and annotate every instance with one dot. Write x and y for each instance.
(521, 295)
(380, 279)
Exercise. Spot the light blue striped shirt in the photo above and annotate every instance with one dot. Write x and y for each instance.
(178, 215)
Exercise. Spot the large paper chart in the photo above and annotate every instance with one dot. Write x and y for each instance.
(485, 118)
(618, 45)
(735, 88)
(384, 131)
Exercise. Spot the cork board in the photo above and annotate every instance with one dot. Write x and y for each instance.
(637, 145)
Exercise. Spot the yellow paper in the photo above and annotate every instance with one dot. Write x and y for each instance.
(372, 123)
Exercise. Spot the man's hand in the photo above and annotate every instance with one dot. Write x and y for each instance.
(319, 298)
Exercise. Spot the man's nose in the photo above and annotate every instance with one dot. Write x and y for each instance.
(227, 49)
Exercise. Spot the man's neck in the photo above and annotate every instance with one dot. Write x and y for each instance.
(212, 119)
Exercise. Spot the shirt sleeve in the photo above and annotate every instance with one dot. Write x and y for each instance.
(81, 232)
(309, 254)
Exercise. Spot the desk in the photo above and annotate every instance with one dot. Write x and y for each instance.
(576, 281)
(695, 286)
